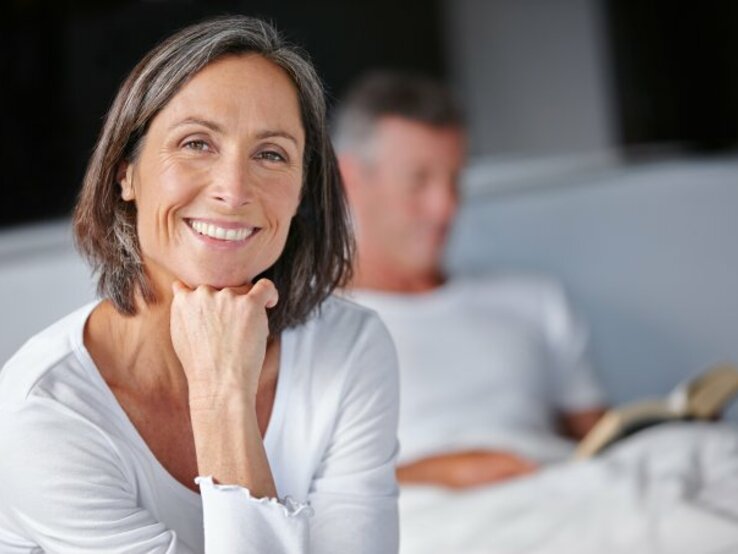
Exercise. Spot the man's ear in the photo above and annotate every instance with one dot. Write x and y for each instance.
(350, 168)
(124, 176)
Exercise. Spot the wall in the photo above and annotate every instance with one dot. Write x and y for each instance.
(532, 74)
(41, 279)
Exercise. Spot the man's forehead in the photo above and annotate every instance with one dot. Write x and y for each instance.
(405, 140)
(391, 125)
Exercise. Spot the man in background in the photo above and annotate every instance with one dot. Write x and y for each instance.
(494, 373)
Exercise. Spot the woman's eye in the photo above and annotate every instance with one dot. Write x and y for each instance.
(199, 145)
(271, 156)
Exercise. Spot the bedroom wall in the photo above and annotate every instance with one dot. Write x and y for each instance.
(41, 279)
(533, 75)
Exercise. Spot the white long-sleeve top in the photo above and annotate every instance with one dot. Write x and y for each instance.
(76, 477)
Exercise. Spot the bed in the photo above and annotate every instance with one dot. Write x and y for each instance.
(671, 489)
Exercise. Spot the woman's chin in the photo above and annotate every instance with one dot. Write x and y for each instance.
(216, 282)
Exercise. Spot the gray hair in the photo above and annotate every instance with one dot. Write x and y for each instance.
(385, 93)
(317, 255)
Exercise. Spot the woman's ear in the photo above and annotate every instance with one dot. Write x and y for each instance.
(124, 176)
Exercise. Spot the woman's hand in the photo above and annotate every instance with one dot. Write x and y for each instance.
(466, 469)
(220, 337)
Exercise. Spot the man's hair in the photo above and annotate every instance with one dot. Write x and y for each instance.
(317, 255)
(388, 93)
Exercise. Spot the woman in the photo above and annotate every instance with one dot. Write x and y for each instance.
(217, 398)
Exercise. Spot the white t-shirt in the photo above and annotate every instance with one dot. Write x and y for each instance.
(486, 363)
(76, 477)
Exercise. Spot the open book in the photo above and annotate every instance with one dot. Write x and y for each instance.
(703, 397)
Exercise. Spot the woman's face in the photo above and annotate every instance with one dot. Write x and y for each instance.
(218, 178)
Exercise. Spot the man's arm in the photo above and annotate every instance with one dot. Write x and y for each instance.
(576, 425)
(465, 469)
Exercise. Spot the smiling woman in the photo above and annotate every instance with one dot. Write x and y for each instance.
(217, 398)
(217, 167)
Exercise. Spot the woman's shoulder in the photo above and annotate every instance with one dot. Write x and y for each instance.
(51, 409)
(337, 339)
(342, 319)
(340, 310)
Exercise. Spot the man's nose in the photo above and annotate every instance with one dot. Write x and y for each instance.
(233, 185)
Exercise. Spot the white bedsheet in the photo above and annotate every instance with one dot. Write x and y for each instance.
(672, 489)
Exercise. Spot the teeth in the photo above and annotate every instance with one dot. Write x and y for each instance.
(220, 233)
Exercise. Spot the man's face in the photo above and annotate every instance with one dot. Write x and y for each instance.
(405, 194)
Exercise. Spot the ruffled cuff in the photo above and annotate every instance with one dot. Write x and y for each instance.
(289, 506)
(235, 521)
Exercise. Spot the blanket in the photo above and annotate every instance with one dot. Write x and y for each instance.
(671, 489)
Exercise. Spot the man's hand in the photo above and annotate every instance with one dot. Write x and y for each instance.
(576, 425)
(466, 469)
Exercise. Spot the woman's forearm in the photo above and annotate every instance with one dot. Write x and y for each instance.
(220, 337)
(229, 447)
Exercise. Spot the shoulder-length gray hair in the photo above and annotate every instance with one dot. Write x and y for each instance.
(317, 255)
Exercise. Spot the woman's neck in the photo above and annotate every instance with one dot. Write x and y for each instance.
(136, 352)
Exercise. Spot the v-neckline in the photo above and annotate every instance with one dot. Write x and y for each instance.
(281, 393)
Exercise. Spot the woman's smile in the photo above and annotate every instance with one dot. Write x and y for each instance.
(222, 234)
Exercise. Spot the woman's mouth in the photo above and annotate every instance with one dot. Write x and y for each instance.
(227, 232)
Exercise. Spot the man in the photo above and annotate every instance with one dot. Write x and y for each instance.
(493, 370)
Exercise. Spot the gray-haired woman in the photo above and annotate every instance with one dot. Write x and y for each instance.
(218, 398)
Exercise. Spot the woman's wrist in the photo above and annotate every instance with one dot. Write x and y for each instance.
(226, 399)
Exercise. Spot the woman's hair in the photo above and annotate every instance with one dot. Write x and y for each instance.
(317, 254)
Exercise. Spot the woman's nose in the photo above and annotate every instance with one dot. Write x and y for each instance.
(233, 186)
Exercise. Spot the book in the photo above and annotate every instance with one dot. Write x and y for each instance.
(702, 398)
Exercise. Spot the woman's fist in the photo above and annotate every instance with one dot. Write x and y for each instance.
(220, 337)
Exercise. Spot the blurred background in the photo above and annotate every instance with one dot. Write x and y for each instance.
(603, 149)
